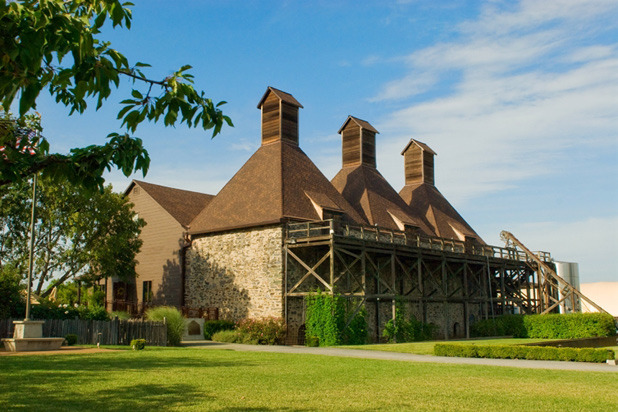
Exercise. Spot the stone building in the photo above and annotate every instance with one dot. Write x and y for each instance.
(280, 230)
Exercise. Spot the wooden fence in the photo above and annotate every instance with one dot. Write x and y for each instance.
(105, 332)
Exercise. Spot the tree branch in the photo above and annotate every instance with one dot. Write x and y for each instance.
(144, 79)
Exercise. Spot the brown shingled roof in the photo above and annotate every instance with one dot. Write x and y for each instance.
(419, 144)
(182, 205)
(375, 199)
(286, 97)
(270, 187)
(362, 123)
(426, 200)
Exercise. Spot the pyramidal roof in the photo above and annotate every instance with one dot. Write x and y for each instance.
(278, 182)
(361, 184)
(375, 199)
(426, 200)
(182, 205)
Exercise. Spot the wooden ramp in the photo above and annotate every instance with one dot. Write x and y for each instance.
(556, 291)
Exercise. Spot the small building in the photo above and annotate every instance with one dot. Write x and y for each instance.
(160, 274)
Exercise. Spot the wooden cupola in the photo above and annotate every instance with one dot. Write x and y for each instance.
(358, 140)
(279, 116)
(418, 160)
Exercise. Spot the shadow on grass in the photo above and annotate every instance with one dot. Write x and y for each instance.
(128, 397)
(117, 361)
(114, 382)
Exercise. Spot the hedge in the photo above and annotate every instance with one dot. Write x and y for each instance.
(213, 326)
(523, 352)
(570, 326)
(551, 326)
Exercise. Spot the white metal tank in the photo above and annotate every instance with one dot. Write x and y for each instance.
(569, 271)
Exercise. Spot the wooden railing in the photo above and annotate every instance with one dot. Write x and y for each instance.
(325, 229)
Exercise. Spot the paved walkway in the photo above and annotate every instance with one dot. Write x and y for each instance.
(407, 357)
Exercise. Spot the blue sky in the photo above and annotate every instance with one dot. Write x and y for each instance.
(519, 100)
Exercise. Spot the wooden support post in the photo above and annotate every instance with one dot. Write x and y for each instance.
(394, 286)
(421, 288)
(502, 289)
(445, 306)
(466, 300)
(285, 284)
(332, 264)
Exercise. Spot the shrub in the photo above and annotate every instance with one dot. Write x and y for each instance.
(92, 313)
(406, 328)
(550, 326)
(120, 314)
(570, 326)
(174, 321)
(10, 292)
(506, 325)
(312, 341)
(213, 326)
(265, 331)
(51, 310)
(524, 352)
(356, 332)
(233, 336)
(71, 339)
(138, 344)
(326, 318)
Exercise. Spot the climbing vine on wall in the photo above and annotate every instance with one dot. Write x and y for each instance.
(326, 318)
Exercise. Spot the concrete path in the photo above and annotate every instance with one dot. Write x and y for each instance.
(406, 357)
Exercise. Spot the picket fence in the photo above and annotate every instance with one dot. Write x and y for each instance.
(105, 332)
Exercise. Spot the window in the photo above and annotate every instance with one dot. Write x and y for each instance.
(411, 229)
(331, 214)
(147, 291)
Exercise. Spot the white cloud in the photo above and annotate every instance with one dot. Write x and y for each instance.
(530, 84)
(411, 85)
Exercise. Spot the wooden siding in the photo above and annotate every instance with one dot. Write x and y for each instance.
(428, 171)
(271, 119)
(159, 258)
(418, 165)
(369, 148)
(413, 165)
(279, 120)
(351, 149)
(289, 123)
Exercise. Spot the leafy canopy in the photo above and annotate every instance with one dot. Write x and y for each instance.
(78, 232)
(53, 45)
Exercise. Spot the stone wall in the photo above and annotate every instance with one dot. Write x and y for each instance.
(240, 272)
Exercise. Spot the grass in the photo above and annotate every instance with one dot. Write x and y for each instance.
(426, 347)
(199, 379)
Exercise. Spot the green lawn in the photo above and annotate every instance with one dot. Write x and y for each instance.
(426, 348)
(199, 379)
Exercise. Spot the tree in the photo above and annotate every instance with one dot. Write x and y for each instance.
(54, 45)
(78, 232)
(10, 292)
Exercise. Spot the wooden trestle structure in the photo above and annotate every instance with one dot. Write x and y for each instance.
(569, 296)
(446, 282)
